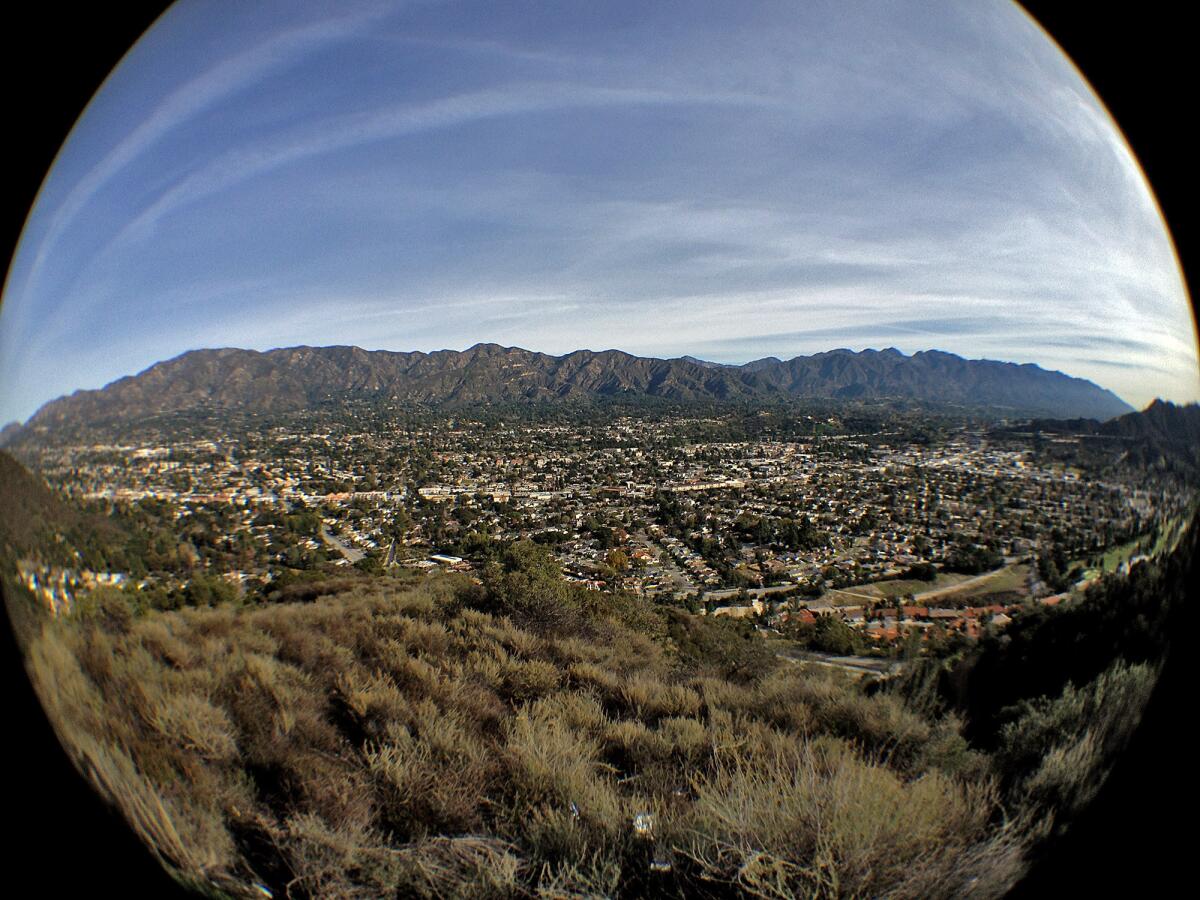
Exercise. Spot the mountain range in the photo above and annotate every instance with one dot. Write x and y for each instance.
(297, 378)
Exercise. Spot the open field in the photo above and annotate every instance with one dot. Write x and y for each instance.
(855, 665)
(946, 586)
(902, 586)
(1010, 578)
(1112, 559)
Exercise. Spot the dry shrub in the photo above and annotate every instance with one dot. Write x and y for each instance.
(627, 652)
(95, 650)
(338, 791)
(157, 636)
(606, 683)
(337, 862)
(486, 667)
(347, 621)
(726, 736)
(474, 703)
(430, 785)
(194, 724)
(528, 679)
(632, 747)
(948, 751)
(650, 699)
(219, 622)
(186, 836)
(1068, 777)
(589, 875)
(414, 675)
(1057, 751)
(986, 869)
(68, 695)
(578, 711)
(686, 739)
(425, 605)
(425, 638)
(373, 701)
(349, 726)
(551, 764)
(459, 867)
(777, 700)
(556, 833)
(515, 640)
(880, 724)
(568, 650)
(717, 693)
(313, 651)
(815, 819)
(264, 698)
(474, 619)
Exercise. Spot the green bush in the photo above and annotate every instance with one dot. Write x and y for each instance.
(1056, 752)
(727, 647)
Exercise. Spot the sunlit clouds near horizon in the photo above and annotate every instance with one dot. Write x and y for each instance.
(728, 181)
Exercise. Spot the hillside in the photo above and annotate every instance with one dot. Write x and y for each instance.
(1163, 436)
(36, 524)
(302, 377)
(34, 521)
(529, 737)
(1161, 422)
(447, 740)
(31, 513)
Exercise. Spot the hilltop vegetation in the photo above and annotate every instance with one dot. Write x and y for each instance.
(394, 738)
(530, 737)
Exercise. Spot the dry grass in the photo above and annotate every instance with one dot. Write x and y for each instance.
(396, 742)
(815, 819)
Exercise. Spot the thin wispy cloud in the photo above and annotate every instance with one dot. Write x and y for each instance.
(226, 78)
(346, 132)
(730, 181)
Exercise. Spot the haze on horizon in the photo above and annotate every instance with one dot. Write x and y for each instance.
(723, 181)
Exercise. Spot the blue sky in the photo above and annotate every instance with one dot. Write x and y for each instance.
(726, 180)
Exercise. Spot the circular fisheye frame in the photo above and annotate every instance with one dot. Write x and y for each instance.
(619, 450)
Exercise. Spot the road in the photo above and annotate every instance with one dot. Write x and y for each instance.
(680, 584)
(848, 592)
(724, 593)
(349, 552)
(856, 665)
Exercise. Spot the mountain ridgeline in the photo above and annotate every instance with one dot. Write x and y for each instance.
(297, 378)
(1163, 436)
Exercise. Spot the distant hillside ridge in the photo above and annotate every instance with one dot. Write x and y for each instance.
(296, 378)
(1164, 435)
(1161, 421)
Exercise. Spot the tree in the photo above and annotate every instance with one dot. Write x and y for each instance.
(971, 559)
(617, 560)
(370, 564)
(209, 590)
(526, 583)
(832, 635)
